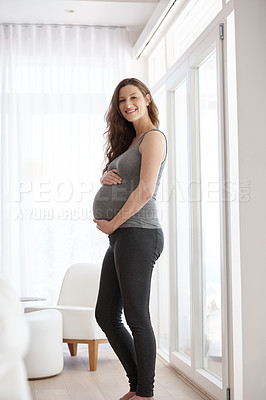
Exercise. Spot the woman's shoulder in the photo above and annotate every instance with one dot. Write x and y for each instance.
(155, 139)
(151, 135)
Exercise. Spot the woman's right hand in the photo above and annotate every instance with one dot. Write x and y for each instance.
(111, 178)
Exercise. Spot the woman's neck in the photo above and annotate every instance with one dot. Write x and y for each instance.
(143, 127)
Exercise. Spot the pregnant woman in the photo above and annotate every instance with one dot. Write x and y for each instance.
(125, 209)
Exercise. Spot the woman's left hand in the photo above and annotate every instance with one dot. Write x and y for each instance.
(104, 226)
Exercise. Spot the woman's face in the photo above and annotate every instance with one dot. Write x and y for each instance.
(132, 104)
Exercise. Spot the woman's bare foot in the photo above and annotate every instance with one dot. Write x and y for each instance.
(141, 398)
(128, 396)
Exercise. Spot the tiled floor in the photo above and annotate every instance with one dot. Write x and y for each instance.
(109, 382)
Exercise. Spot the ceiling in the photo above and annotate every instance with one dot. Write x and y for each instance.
(132, 14)
(141, 17)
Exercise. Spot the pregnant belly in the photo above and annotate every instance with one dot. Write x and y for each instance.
(108, 201)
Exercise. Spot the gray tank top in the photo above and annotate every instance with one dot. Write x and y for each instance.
(110, 199)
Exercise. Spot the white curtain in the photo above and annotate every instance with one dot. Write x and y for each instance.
(56, 83)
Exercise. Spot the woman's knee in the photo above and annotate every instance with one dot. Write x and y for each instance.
(100, 316)
(138, 319)
(108, 319)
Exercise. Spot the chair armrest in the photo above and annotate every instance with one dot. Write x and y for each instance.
(78, 322)
(38, 308)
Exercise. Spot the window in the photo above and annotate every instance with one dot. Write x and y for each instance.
(193, 82)
(210, 215)
(198, 247)
(182, 222)
(162, 270)
(188, 26)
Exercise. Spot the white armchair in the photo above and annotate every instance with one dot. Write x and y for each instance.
(77, 300)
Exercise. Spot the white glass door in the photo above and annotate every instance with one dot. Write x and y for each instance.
(200, 347)
(210, 227)
(183, 333)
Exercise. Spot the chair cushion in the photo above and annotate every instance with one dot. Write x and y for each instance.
(45, 355)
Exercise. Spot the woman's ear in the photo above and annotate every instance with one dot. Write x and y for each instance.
(148, 99)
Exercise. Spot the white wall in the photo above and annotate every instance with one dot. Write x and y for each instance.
(250, 30)
(139, 70)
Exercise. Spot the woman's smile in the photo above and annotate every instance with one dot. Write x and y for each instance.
(131, 111)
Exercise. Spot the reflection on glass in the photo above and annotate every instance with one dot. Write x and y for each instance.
(210, 216)
(182, 223)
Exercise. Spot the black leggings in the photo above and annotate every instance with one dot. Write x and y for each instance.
(125, 283)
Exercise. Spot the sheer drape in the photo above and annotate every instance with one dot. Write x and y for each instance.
(56, 83)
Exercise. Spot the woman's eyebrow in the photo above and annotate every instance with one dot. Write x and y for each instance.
(122, 97)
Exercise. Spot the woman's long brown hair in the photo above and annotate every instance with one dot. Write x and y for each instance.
(120, 132)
